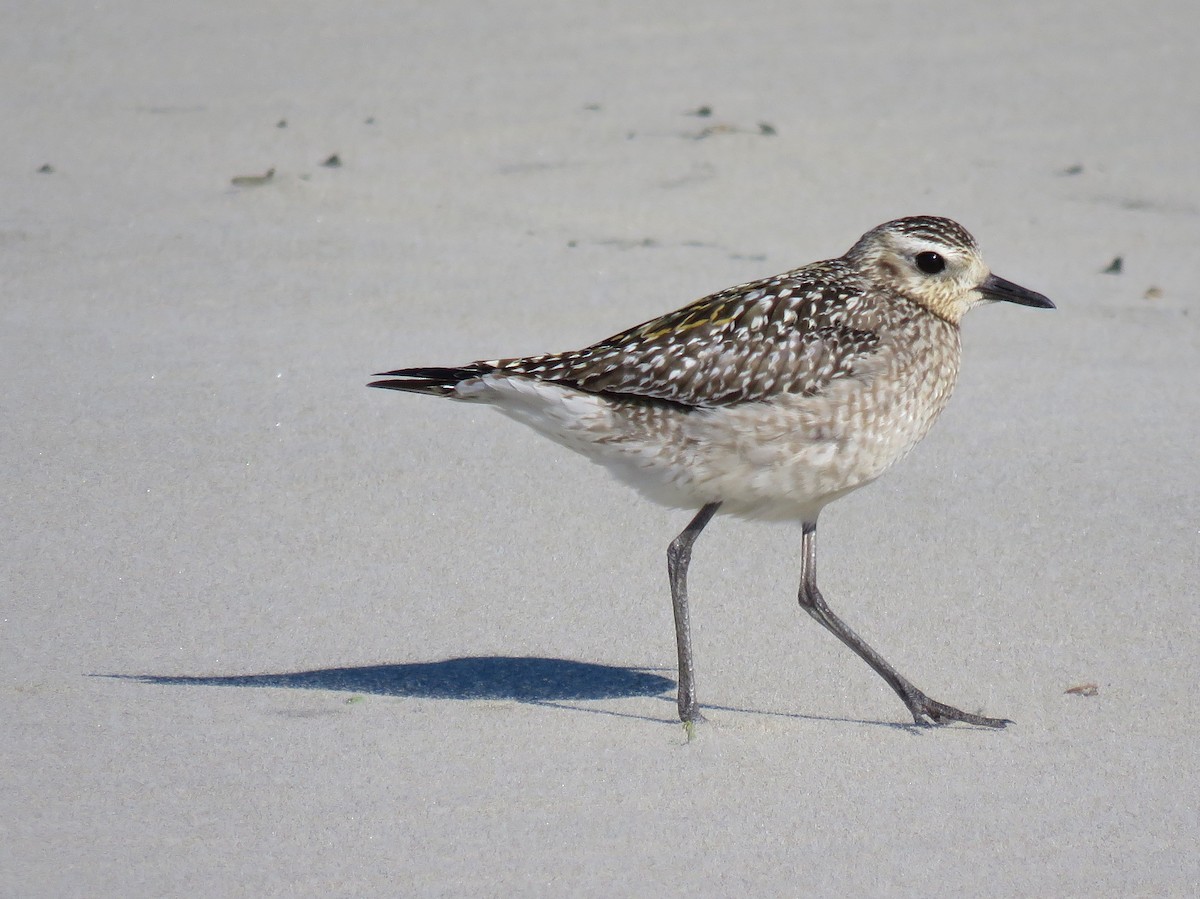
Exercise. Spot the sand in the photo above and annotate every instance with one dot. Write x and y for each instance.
(458, 634)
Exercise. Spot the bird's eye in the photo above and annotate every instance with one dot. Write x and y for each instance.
(930, 263)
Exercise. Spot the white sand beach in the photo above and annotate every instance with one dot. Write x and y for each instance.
(459, 634)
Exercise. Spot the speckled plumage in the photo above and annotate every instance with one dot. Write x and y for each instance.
(769, 399)
(772, 397)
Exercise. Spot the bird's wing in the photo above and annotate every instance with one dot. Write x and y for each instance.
(796, 333)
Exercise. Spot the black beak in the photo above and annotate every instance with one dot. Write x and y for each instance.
(996, 288)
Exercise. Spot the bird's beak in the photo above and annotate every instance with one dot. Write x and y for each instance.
(996, 288)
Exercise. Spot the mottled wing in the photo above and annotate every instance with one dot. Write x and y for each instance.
(795, 333)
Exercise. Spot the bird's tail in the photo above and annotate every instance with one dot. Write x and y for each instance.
(433, 381)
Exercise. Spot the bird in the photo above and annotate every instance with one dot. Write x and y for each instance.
(765, 401)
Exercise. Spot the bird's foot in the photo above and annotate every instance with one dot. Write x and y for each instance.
(927, 712)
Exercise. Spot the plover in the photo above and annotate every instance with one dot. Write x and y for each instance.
(768, 400)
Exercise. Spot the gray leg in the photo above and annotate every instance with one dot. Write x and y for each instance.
(679, 554)
(921, 706)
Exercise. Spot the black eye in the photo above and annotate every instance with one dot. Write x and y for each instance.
(930, 263)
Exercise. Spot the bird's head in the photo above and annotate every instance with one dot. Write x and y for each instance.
(935, 263)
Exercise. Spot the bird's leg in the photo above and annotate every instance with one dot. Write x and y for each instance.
(679, 554)
(924, 710)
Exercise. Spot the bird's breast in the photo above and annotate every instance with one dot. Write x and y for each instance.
(789, 455)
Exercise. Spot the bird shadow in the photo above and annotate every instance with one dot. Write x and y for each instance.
(554, 683)
(516, 678)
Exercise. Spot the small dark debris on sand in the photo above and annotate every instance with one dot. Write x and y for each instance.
(252, 180)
